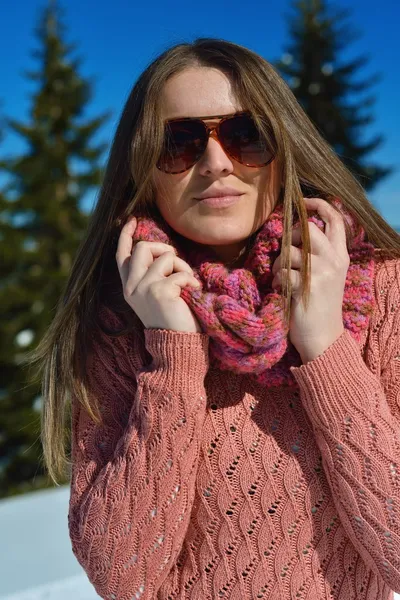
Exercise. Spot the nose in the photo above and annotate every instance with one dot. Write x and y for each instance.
(214, 160)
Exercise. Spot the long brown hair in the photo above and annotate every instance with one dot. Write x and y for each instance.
(309, 166)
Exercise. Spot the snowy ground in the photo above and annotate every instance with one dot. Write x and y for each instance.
(37, 562)
(76, 588)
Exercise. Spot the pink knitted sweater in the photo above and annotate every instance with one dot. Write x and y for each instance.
(202, 484)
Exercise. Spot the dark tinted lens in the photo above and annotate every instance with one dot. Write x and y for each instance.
(243, 141)
(184, 143)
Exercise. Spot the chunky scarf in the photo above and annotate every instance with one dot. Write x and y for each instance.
(243, 314)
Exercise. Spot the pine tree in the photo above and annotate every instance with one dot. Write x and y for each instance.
(327, 88)
(41, 227)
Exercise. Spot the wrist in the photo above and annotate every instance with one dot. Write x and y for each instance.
(317, 347)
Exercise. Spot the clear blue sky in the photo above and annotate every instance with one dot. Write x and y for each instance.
(117, 40)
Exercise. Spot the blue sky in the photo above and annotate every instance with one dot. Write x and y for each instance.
(117, 40)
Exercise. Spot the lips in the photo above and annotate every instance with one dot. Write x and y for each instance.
(219, 193)
(220, 202)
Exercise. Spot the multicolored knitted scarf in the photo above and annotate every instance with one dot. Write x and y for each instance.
(240, 311)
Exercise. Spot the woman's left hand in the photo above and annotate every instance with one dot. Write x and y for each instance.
(313, 330)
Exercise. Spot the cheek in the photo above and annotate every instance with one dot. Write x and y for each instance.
(265, 184)
(269, 179)
(269, 186)
(169, 188)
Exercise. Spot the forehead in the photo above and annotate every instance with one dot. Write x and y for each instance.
(198, 92)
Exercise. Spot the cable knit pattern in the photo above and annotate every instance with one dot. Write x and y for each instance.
(205, 484)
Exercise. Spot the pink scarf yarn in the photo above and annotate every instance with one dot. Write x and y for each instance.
(240, 311)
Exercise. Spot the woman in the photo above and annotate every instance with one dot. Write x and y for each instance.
(234, 378)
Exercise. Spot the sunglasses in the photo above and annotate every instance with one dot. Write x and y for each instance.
(185, 141)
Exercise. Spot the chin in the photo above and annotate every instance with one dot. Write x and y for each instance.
(217, 240)
(223, 233)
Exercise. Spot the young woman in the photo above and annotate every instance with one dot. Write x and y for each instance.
(229, 339)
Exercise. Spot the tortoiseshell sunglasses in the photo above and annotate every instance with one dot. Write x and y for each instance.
(186, 140)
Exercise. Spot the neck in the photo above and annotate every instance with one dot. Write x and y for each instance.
(235, 256)
(229, 255)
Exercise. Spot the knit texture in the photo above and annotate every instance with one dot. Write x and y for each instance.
(241, 312)
(206, 484)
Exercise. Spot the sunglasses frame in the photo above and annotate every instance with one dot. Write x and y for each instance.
(213, 131)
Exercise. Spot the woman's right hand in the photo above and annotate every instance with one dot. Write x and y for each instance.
(152, 279)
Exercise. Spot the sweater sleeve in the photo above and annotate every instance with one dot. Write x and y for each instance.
(133, 477)
(354, 406)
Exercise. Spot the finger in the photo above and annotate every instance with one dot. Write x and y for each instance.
(335, 229)
(296, 236)
(295, 255)
(163, 266)
(179, 281)
(294, 277)
(124, 248)
(144, 269)
(319, 243)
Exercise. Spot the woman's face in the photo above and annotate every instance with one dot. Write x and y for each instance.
(203, 91)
